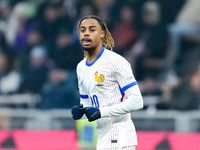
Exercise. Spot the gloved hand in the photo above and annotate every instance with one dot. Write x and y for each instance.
(77, 112)
(92, 113)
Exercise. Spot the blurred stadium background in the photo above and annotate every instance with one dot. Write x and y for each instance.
(39, 51)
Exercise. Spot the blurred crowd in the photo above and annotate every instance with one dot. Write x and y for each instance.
(39, 48)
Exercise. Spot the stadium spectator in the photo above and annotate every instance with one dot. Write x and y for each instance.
(5, 11)
(106, 16)
(185, 96)
(18, 25)
(59, 92)
(104, 4)
(182, 92)
(187, 26)
(4, 45)
(50, 22)
(65, 54)
(34, 78)
(125, 25)
(149, 53)
(34, 38)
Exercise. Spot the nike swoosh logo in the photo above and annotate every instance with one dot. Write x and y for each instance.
(82, 81)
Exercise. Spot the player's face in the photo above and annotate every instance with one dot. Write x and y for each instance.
(90, 34)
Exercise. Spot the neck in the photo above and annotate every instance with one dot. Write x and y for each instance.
(91, 55)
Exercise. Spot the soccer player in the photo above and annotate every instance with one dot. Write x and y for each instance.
(107, 86)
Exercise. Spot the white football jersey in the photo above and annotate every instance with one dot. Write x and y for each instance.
(102, 84)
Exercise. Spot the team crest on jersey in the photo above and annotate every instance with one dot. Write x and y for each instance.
(99, 79)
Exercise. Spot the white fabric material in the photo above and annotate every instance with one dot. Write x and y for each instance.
(133, 102)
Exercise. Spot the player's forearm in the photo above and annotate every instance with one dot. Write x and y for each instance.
(125, 107)
(133, 102)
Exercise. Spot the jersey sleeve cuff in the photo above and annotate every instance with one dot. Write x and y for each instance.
(104, 112)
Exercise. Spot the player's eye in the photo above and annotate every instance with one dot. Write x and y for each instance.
(82, 30)
(92, 30)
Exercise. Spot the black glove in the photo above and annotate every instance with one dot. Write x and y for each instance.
(92, 113)
(77, 112)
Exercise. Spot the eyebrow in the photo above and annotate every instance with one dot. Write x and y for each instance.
(89, 27)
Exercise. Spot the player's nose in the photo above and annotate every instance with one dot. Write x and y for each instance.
(86, 33)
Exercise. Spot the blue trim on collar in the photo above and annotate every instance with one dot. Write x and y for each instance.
(128, 86)
(99, 55)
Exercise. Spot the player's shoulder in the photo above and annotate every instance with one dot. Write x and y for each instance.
(80, 65)
(114, 57)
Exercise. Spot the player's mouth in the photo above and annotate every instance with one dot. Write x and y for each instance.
(86, 41)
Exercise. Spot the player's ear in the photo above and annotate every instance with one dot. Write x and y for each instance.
(102, 34)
